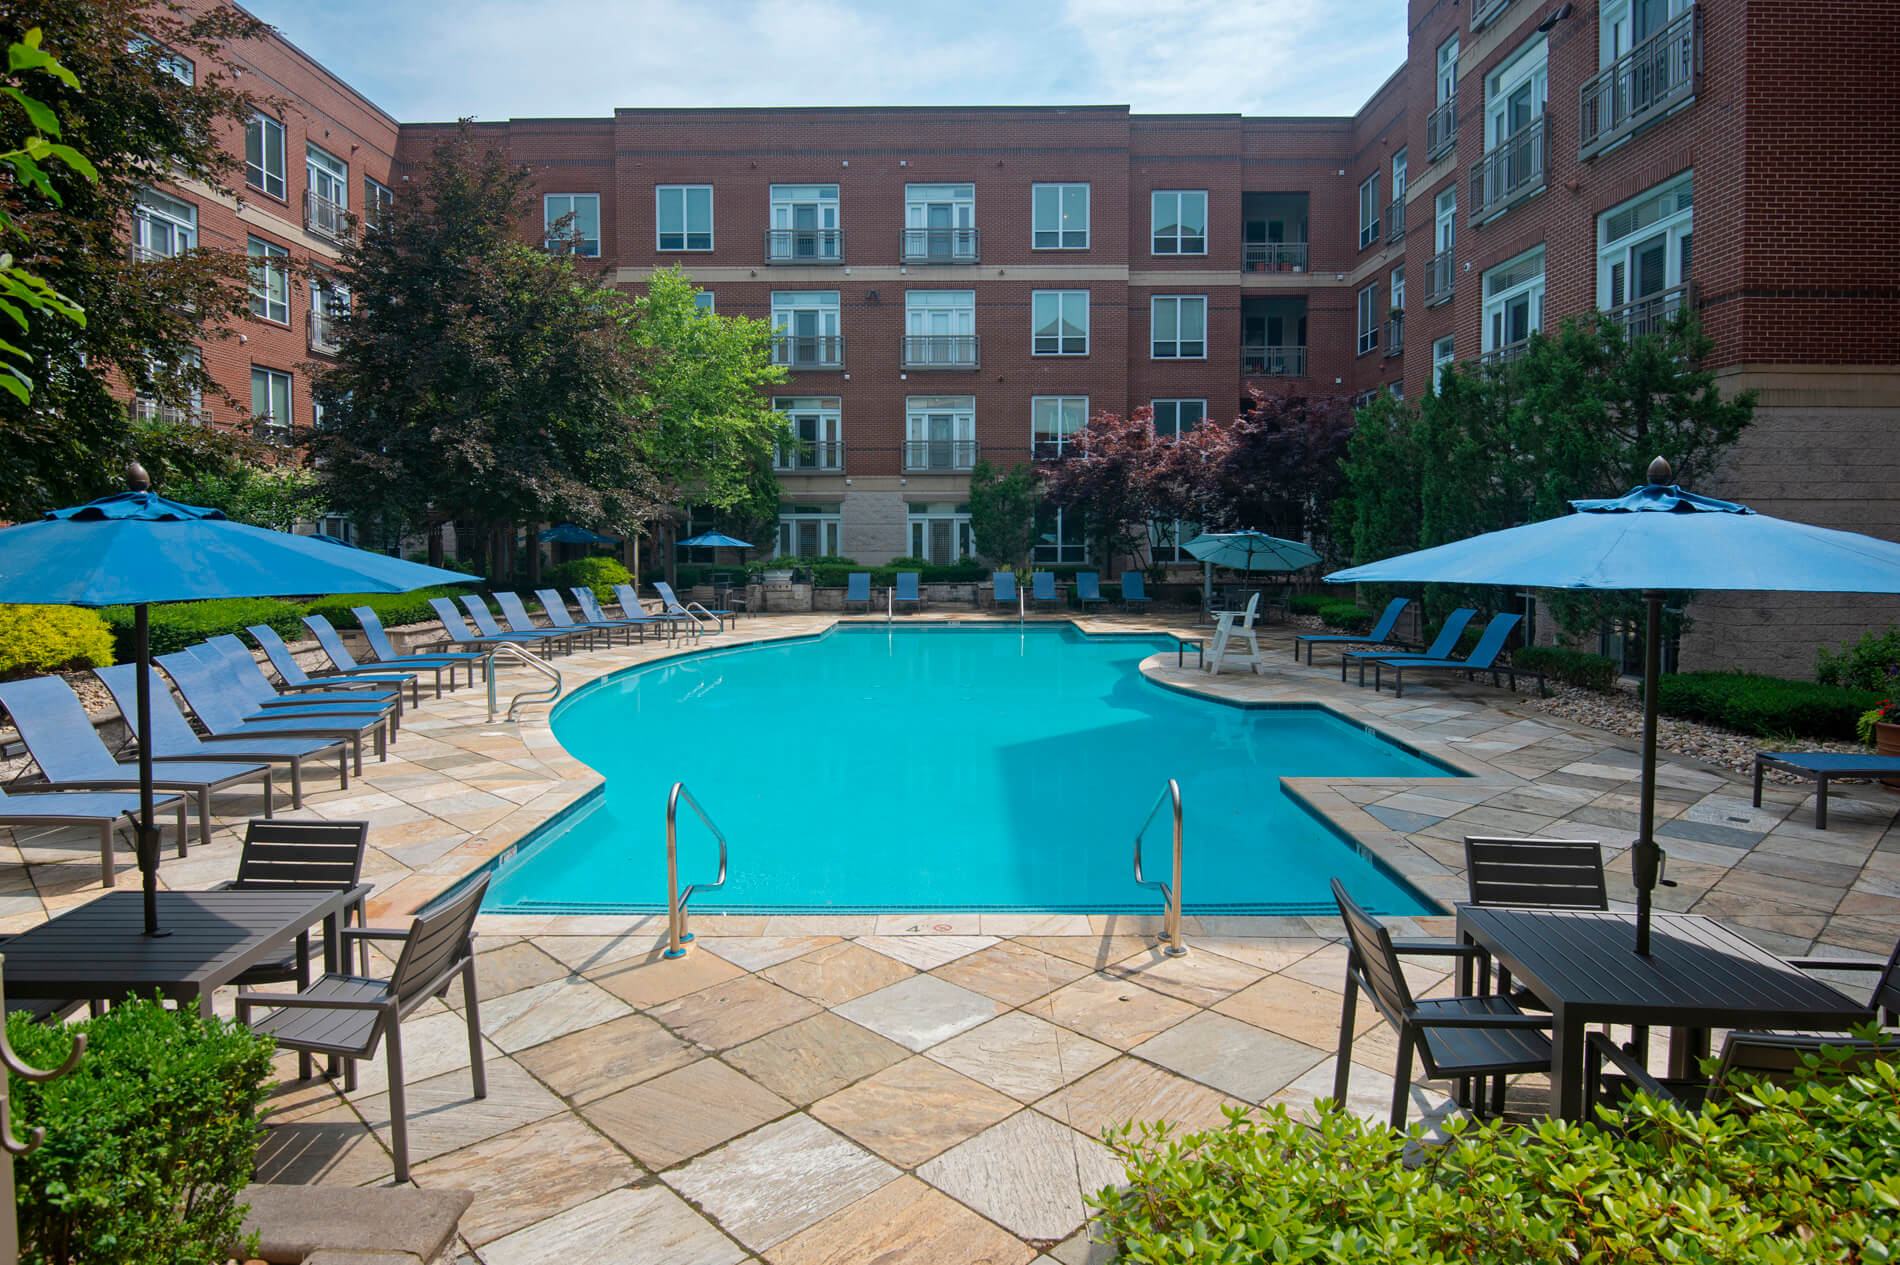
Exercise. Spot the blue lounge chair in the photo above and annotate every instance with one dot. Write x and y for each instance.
(857, 588)
(212, 696)
(675, 607)
(1134, 589)
(173, 738)
(631, 606)
(906, 590)
(101, 812)
(1442, 645)
(590, 607)
(345, 664)
(456, 629)
(555, 608)
(59, 736)
(1042, 586)
(1002, 588)
(384, 658)
(1088, 588)
(293, 676)
(491, 631)
(1483, 658)
(1381, 634)
(254, 687)
(522, 624)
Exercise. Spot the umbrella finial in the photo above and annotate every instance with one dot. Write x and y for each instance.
(1659, 473)
(136, 478)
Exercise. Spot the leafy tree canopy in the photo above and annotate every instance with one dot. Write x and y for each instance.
(1003, 507)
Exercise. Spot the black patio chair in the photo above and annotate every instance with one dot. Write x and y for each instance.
(1772, 1056)
(350, 1015)
(1885, 1002)
(1531, 874)
(1457, 1038)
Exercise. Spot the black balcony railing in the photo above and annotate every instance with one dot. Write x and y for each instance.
(1264, 361)
(937, 245)
(940, 351)
(1511, 172)
(1441, 274)
(939, 454)
(1395, 219)
(1395, 334)
(325, 336)
(1640, 87)
(808, 351)
(804, 245)
(1441, 128)
(1482, 11)
(326, 218)
(1273, 256)
(1649, 314)
(810, 454)
(1506, 353)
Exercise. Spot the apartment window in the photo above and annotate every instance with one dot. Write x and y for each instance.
(1059, 320)
(1643, 250)
(1059, 215)
(683, 216)
(805, 329)
(163, 226)
(810, 531)
(1180, 222)
(1369, 318)
(1054, 421)
(1513, 302)
(1369, 211)
(270, 402)
(1061, 536)
(940, 223)
(1398, 289)
(329, 303)
(1445, 220)
(264, 155)
(1515, 92)
(572, 221)
(1175, 418)
(176, 65)
(1178, 326)
(940, 432)
(377, 199)
(940, 532)
(940, 329)
(1448, 70)
(167, 379)
(326, 192)
(1441, 360)
(1624, 24)
(1168, 538)
(1398, 175)
(270, 281)
(703, 300)
(804, 225)
(817, 423)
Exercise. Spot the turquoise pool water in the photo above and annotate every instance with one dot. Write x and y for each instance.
(947, 768)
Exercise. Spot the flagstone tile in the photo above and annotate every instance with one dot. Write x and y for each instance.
(647, 1223)
(733, 1012)
(814, 1057)
(784, 1178)
(755, 953)
(1294, 1008)
(432, 1044)
(904, 1223)
(920, 1011)
(926, 952)
(542, 1013)
(509, 968)
(1028, 1174)
(1021, 1055)
(608, 1057)
(1011, 973)
(837, 973)
(1231, 1056)
(913, 1110)
(682, 1113)
(332, 1147)
(1199, 978)
(593, 955)
(1116, 1012)
(1093, 951)
(1368, 1094)
(1131, 1090)
(444, 1114)
(528, 1175)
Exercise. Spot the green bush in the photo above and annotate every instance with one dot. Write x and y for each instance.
(148, 1141)
(1310, 603)
(177, 625)
(1862, 665)
(1572, 667)
(1806, 1173)
(1765, 705)
(598, 574)
(394, 609)
(1347, 617)
(35, 640)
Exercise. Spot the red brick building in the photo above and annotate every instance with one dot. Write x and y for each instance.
(956, 282)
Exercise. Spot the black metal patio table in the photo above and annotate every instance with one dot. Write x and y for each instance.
(99, 951)
(1699, 975)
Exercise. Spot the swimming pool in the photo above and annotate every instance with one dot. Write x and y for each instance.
(974, 768)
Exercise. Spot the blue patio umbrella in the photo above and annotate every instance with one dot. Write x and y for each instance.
(713, 540)
(136, 548)
(572, 534)
(1247, 551)
(1655, 538)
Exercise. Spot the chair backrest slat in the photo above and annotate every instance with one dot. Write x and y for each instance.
(287, 854)
(57, 732)
(630, 603)
(1378, 960)
(1382, 631)
(907, 586)
(1043, 586)
(1777, 1056)
(857, 587)
(332, 641)
(438, 941)
(515, 611)
(1537, 873)
(451, 620)
(556, 609)
(672, 603)
(279, 654)
(1447, 639)
(479, 612)
(1485, 653)
(373, 632)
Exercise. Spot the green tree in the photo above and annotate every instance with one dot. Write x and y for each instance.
(278, 497)
(1003, 506)
(126, 107)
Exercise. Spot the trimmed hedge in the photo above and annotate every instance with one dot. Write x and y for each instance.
(35, 640)
(598, 574)
(1788, 1175)
(148, 1141)
(1311, 603)
(394, 609)
(177, 625)
(1572, 667)
(1766, 705)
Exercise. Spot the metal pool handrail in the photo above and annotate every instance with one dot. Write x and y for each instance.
(1170, 892)
(514, 651)
(677, 936)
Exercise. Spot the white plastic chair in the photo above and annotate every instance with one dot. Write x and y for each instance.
(1232, 625)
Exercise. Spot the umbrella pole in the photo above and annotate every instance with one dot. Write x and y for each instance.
(1646, 858)
(147, 832)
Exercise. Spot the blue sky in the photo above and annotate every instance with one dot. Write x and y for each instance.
(498, 59)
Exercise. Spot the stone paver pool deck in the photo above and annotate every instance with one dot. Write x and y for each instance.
(897, 1088)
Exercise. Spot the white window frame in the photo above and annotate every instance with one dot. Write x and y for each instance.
(148, 408)
(260, 175)
(703, 300)
(1168, 413)
(177, 65)
(1399, 161)
(919, 234)
(1445, 219)
(323, 170)
(1063, 306)
(918, 517)
(1616, 32)
(274, 427)
(1180, 241)
(940, 314)
(787, 306)
(1368, 303)
(1530, 65)
(1054, 420)
(558, 206)
(1167, 540)
(164, 226)
(1369, 209)
(1443, 357)
(1398, 289)
(1056, 554)
(1448, 69)
(1049, 216)
(1497, 307)
(829, 520)
(377, 198)
(826, 414)
(687, 234)
(827, 240)
(959, 447)
(1179, 347)
(1675, 226)
(270, 282)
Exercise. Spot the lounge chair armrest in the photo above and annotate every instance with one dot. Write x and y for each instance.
(1837, 964)
(1437, 948)
(296, 1001)
(374, 933)
(1483, 1021)
(1599, 1046)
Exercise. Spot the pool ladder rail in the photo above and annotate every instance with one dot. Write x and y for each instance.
(1170, 891)
(677, 899)
(542, 694)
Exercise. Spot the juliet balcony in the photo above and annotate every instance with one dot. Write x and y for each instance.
(1512, 171)
(1648, 82)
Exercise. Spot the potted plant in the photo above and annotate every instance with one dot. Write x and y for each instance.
(1879, 727)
